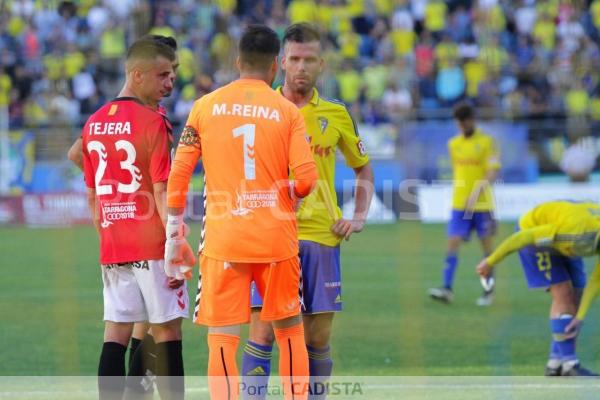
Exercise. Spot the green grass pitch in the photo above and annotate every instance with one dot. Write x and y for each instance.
(51, 309)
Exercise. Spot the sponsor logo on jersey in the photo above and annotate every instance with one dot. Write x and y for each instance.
(117, 211)
(134, 264)
(141, 265)
(247, 201)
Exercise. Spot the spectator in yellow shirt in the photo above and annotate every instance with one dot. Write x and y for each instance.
(302, 11)
(492, 55)
(375, 76)
(5, 87)
(446, 52)
(403, 41)
(475, 73)
(74, 61)
(349, 83)
(545, 31)
(435, 16)
(595, 12)
(577, 101)
(349, 44)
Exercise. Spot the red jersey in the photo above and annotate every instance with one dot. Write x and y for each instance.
(125, 151)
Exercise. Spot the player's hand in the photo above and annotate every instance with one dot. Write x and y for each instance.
(296, 201)
(179, 259)
(472, 201)
(476, 192)
(346, 227)
(484, 269)
(175, 283)
(573, 328)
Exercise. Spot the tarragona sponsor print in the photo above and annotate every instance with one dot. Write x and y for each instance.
(117, 211)
(314, 388)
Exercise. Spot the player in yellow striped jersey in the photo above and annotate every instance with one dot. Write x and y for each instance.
(475, 164)
(551, 239)
(320, 224)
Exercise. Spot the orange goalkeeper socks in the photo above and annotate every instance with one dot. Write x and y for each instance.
(293, 362)
(222, 367)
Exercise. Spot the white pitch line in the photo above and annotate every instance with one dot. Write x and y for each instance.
(433, 386)
(481, 386)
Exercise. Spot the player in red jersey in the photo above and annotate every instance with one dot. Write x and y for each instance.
(141, 347)
(126, 165)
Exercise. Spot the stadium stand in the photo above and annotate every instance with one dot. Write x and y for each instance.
(511, 58)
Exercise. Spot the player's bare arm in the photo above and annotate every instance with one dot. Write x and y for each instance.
(364, 193)
(91, 199)
(591, 292)
(160, 199)
(75, 153)
(511, 244)
(480, 187)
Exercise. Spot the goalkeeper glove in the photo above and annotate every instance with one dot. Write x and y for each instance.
(176, 228)
(179, 256)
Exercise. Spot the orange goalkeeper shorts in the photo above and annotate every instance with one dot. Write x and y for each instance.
(224, 291)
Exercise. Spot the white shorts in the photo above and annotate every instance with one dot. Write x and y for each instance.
(139, 291)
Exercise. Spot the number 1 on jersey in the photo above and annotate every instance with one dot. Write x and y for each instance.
(247, 131)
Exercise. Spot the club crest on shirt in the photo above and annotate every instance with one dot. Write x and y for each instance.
(190, 137)
(323, 122)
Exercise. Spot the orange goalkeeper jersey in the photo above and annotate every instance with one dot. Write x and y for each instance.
(250, 138)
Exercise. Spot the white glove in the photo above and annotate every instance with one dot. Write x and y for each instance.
(179, 256)
(179, 259)
(176, 228)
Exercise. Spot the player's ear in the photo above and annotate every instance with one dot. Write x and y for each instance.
(136, 75)
(238, 63)
(275, 65)
(321, 65)
(283, 58)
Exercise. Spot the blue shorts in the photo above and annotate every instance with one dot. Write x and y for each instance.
(544, 266)
(461, 224)
(321, 289)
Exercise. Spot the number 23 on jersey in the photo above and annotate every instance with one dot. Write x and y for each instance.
(126, 165)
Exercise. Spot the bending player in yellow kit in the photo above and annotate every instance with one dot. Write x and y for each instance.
(551, 239)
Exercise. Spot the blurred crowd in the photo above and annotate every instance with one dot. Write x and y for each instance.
(386, 59)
